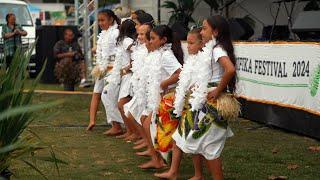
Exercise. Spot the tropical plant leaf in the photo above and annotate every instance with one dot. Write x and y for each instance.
(19, 145)
(35, 168)
(213, 4)
(50, 159)
(17, 112)
(170, 5)
(250, 21)
(183, 11)
(27, 108)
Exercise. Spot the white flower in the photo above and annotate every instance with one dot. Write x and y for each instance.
(152, 80)
(195, 74)
(104, 50)
(138, 58)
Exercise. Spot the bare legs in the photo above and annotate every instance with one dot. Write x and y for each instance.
(156, 161)
(173, 172)
(215, 168)
(121, 103)
(95, 101)
(197, 165)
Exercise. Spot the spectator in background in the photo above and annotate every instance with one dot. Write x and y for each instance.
(11, 33)
(69, 49)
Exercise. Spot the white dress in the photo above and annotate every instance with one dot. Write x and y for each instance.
(112, 91)
(211, 143)
(106, 45)
(125, 88)
(136, 105)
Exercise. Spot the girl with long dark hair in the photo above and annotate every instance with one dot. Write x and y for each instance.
(163, 74)
(105, 52)
(210, 104)
(117, 90)
(193, 68)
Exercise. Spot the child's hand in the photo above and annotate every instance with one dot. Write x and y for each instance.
(213, 95)
(163, 86)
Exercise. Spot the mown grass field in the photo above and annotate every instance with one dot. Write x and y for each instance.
(255, 152)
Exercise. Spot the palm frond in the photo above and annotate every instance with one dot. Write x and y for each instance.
(169, 5)
(213, 4)
(250, 21)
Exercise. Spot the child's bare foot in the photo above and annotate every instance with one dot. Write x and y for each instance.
(107, 131)
(122, 136)
(152, 164)
(132, 137)
(113, 132)
(197, 178)
(144, 153)
(167, 175)
(90, 126)
(140, 141)
(140, 146)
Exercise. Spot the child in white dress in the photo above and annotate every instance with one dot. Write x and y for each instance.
(193, 63)
(105, 52)
(134, 108)
(210, 103)
(163, 74)
(117, 90)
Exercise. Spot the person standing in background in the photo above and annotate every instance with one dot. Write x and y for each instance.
(11, 33)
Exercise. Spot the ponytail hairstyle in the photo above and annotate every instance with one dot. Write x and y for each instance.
(224, 40)
(145, 18)
(127, 29)
(165, 31)
(110, 13)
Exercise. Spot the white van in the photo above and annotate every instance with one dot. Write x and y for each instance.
(23, 18)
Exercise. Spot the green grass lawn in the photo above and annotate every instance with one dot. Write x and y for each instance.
(255, 152)
(56, 87)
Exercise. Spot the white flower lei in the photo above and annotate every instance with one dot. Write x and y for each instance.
(114, 77)
(102, 52)
(138, 55)
(195, 73)
(154, 77)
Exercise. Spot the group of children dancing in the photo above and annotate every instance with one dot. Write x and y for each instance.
(168, 101)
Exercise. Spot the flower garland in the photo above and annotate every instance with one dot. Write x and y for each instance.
(140, 89)
(103, 52)
(195, 74)
(184, 83)
(138, 55)
(114, 76)
(152, 80)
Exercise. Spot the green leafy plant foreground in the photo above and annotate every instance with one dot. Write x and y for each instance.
(17, 142)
